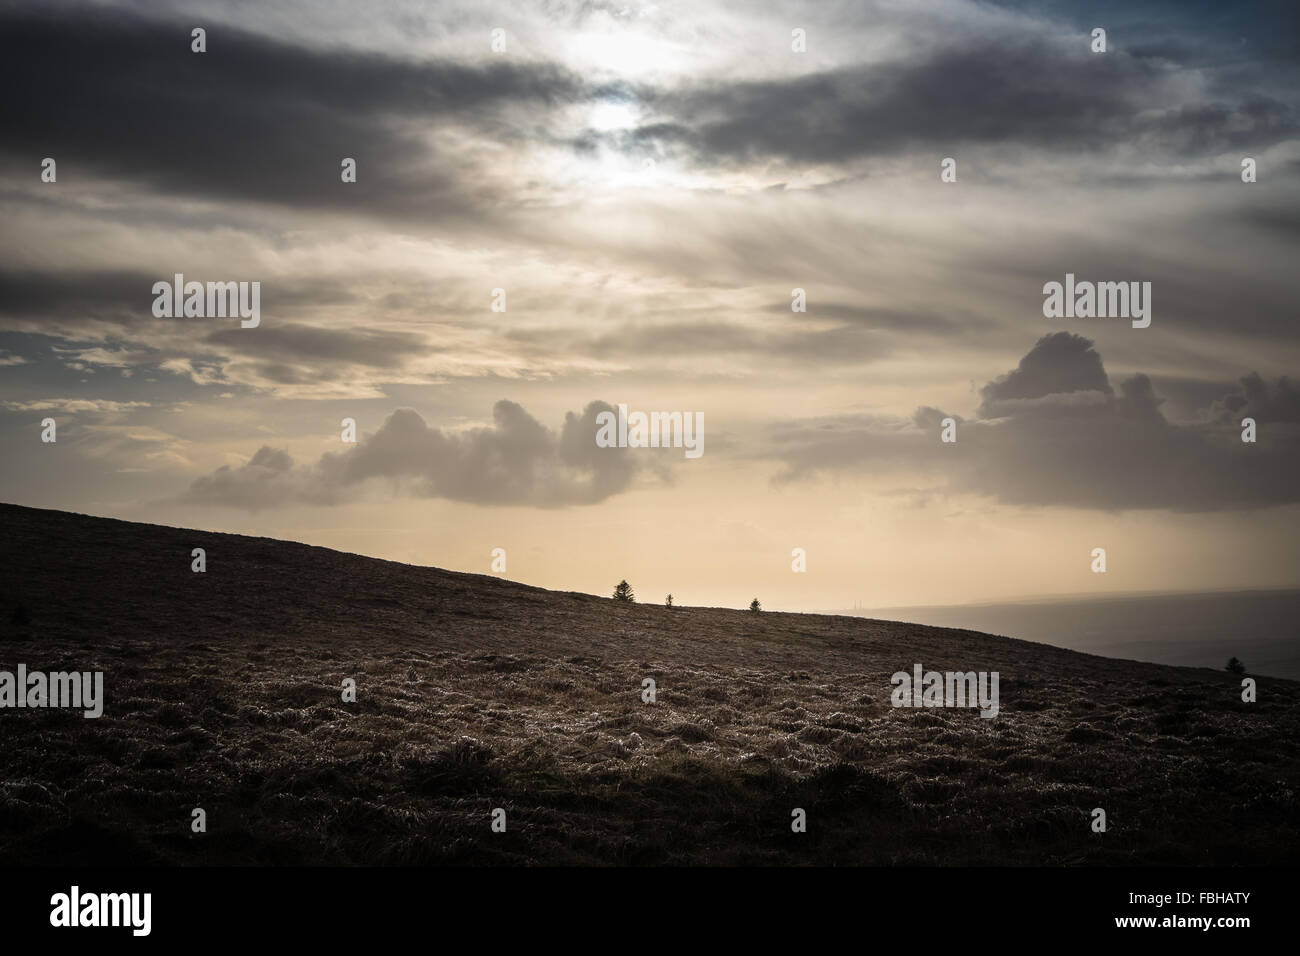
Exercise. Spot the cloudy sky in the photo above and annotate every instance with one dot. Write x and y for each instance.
(648, 184)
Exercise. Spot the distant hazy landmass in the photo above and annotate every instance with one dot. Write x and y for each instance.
(1262, 628)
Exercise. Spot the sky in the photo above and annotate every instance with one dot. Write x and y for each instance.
(562, 207)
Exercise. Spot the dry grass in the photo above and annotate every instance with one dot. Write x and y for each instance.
(223, 691)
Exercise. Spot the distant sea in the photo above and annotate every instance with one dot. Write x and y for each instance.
(1261, 628)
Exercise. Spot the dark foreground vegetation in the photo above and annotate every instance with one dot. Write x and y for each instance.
(223, 691)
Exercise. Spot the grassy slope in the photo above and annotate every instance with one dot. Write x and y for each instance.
(223, 692)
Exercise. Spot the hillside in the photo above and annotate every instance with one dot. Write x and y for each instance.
(223, 692)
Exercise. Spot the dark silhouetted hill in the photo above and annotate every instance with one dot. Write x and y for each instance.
(223, 691)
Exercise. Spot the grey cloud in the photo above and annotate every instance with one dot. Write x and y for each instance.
(253, 117)
(859, 333)
(126, 296)
(75, 294)
(891, 319)
(1281, 220)
(181, 122)
(838, 344)
(1058, 364)
(1208, 274)
(104, 314)
(1030, 91)
(288, 343)
(266, 481)
(515, 461)
(1054, 432)
(1257, 399)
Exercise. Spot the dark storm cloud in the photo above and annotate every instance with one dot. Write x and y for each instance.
(1256, 31)
(1279, 402)
(1057, 365)
(1028, 91)
(251, 118)
(515, 461)
(281, 352)
(1064, 436)
(256, 118)
(124, 296)
(75, 294)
